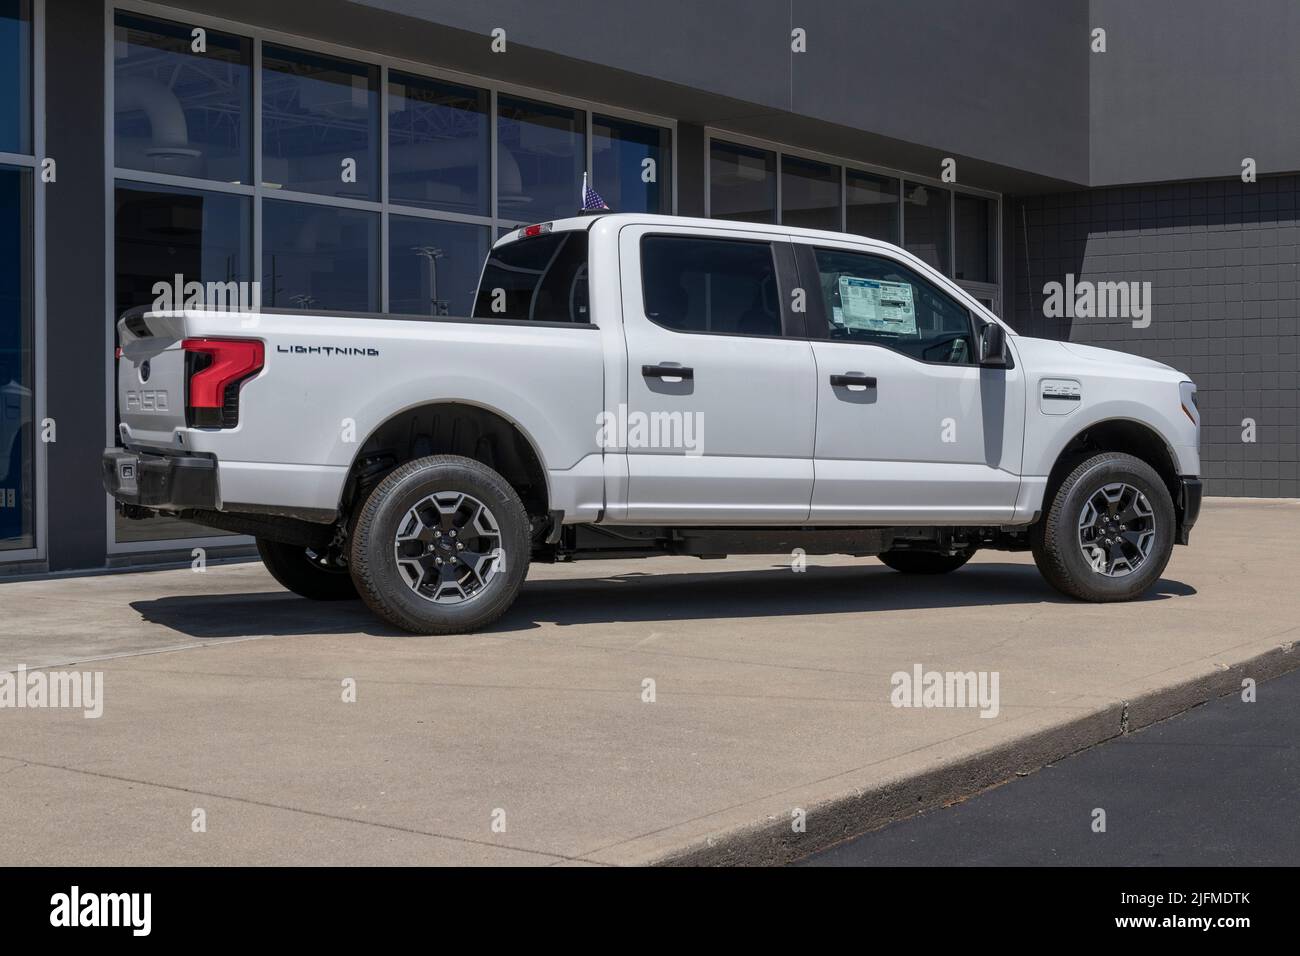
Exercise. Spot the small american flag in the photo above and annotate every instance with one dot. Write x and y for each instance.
(591, 201)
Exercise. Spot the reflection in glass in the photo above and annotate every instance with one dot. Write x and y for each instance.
(872, 205)
(925, 224)
(15, 76)
(319, 257)
(632, 165)
(320, 124)
(433, 267)
(810, 194)
(178, 111)
(977, 241)
(742, 183)
(438, 144)
(17, 382)
(541, 153)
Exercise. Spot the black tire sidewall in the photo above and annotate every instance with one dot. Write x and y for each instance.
(1089, 479)
(290, 566)
(374, 564)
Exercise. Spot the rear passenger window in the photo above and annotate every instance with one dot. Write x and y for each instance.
(875, 299)
(718, 286)
(542, 279)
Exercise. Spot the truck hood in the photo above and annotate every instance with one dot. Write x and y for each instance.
(1113, 357)
(1050, 350)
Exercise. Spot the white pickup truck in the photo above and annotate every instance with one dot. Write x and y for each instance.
(639, 385)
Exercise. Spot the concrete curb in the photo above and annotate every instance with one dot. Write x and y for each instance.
(831, 821)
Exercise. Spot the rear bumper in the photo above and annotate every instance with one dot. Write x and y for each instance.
(165, 482)
(1189, 508)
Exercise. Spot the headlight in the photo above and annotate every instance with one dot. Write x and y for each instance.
(1187, 394)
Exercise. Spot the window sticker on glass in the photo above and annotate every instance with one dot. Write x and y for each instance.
(877, 306)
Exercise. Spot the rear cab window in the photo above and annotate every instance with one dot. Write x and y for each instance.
(538, 279)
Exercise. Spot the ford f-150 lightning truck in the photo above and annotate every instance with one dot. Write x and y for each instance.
(639, 385)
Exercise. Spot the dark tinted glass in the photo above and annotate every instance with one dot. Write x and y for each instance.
(742, 183)
(15, 76)
(437, 144)
(925, 224)
(872, 206)
(320, 124)
(873, 299)
(541, 153)
(976, 239)
(810, 194)
(542, 279)
(181, 102)
(319, 257)
(631, 165)
(433, 266)
(720, 286)
(17, 383)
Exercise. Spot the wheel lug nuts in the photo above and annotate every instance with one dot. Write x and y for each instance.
(453, 532)
(460, 546)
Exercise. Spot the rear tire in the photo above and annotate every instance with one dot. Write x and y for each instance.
(924, 562)
(441, 546)
(1108, 530)
(305, 574)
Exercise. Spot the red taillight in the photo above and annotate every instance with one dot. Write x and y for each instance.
(216, 367)
(536, 230)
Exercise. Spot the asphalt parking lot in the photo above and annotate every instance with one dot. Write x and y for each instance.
(543, 741)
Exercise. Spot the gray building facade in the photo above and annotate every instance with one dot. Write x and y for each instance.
(1011, 143)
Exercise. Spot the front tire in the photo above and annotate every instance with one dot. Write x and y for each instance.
(924, 562)
(306, 573)
(1108, 530)
(441, 546)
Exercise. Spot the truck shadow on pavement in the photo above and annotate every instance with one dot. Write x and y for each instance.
(770, 592)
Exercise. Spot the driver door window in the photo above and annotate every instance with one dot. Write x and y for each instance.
(877, 300)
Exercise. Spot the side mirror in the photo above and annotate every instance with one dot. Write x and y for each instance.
(993, 346)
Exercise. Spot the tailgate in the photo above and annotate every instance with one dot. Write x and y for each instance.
(151, 378)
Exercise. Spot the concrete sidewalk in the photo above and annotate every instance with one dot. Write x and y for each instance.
(772, 692)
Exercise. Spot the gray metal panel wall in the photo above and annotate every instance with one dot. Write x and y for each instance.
(1222, 260)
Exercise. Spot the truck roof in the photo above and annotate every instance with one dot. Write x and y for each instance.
(638, 218)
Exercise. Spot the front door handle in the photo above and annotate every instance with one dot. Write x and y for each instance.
(668, 371)
(853, 378)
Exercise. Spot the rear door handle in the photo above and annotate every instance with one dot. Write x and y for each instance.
(853, 378)
(668, 371)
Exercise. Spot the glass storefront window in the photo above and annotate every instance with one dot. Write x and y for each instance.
(15, 76)
(810, 194)
(320, 124)
(319, 257)
(872, 205)
(438, 144)
(161, 232)
(433, 266)
(742, 183)
(182, 104)
(632, 165)
(977, 240)
(17, 371)
(541, 153)
(925, 224)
